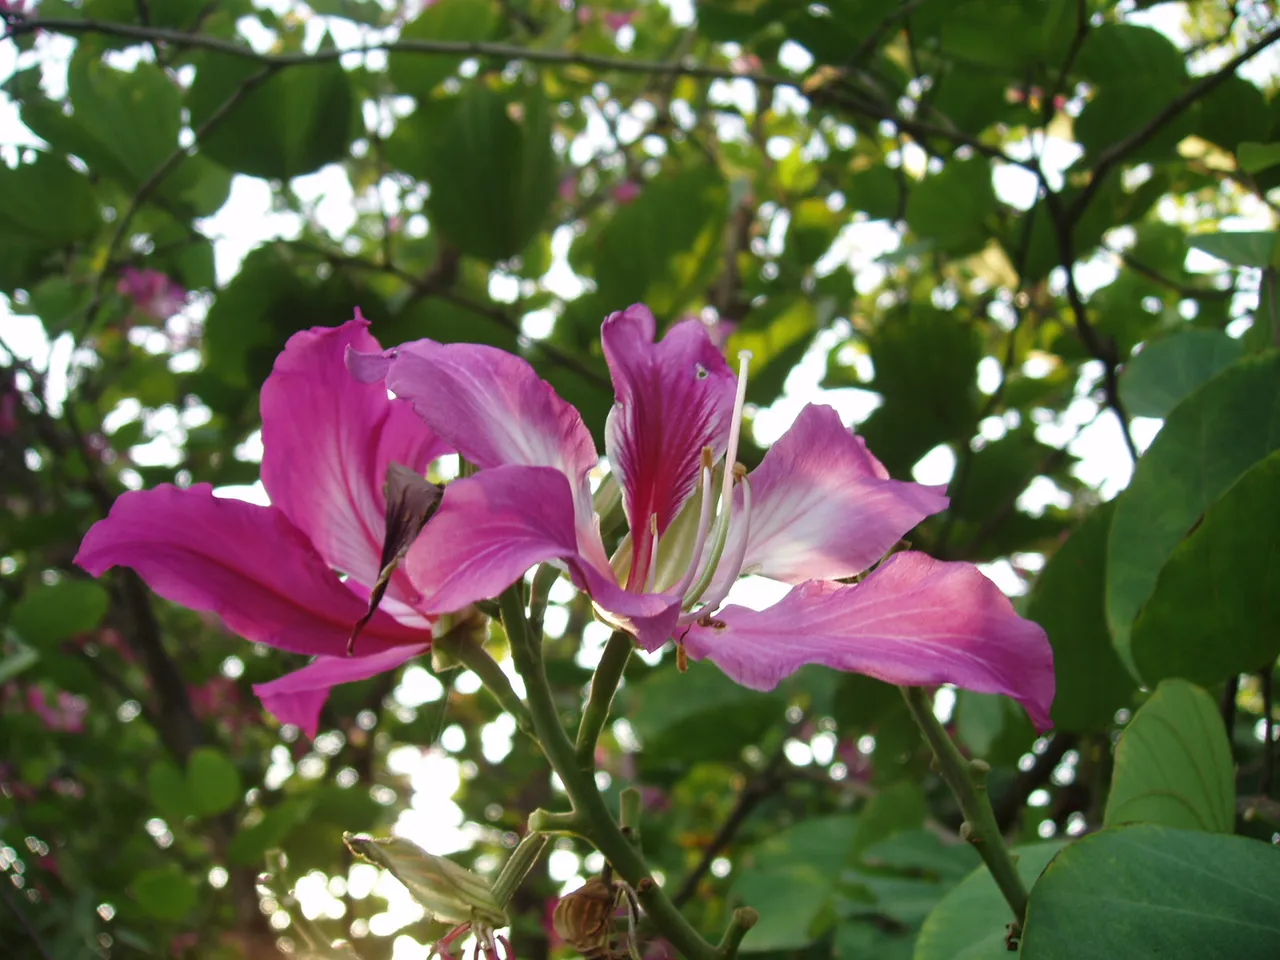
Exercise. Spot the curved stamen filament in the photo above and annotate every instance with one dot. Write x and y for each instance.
(735, 428)
(652, 578)
(704, 524)
(733, 562)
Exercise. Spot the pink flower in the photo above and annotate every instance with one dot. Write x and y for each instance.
(269, 571)
(616, 21)
(568, 189)
(626, 191)
(819, 509)
(66, 716)
(152, 292)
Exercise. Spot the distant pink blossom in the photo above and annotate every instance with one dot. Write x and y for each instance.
(16, 8)
(626, 192)
(67, 716)
(569, 188)
(616, 21)
(747, 63)
(153, 293)
(10, 404)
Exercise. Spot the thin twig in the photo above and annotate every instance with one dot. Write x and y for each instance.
(1116, 153)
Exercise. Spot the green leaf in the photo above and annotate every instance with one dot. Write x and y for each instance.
(169, 792)
(455, 20)
(658, 248)
(791, 879)
(213, 781)
(493, 178)
(1208, 441)
(1068, 601)
(1153, 891)
(972, 921)
(1242, 248)
(1256, 157)
(1233, 111)
(894, 809)
(950, 208)
(251, 844)
(165, 892)
(22, 658)
(1173, 764)
(699, 715)
(1166, 371)
(46, 203)
(993, 727)
(49, 614)
(134, 116)
(1212, 614)
(291, 124)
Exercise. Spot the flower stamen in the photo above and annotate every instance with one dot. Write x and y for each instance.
(733, 562)
(704, 522)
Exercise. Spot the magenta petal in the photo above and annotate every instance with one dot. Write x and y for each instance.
(489, 530)
(494, 409)
(824, 508)
(246, 563)
(649, 617)
(675, 397)
(915, 621)
(298, 697)
(328, 440)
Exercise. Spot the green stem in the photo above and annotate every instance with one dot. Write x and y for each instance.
(539, 592)
(743, 919)
(968, 781)
(598, 824)
(604, 684)
(467, 651)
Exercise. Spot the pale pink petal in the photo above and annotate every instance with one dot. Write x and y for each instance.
(489, 530)
(299, 697)
(328, 440)
(915, 621)
(824, 508)
(493, 408)
(649, 617)
(246, 563)
(675, 397)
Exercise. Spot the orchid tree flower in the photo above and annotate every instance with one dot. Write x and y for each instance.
(820, 509)
(298, 574)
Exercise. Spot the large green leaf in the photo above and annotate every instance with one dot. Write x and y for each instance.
(165, 892)
(1068, 601)
(699, 715)
(972, 921)
(212, 781)
(1208, 441)
(1166, 371)
(50, 614)
(456, 20)
(1173, 764)
(1213, 613)
(293, 123)
(1242, 248)
(493, 178)
(46, 204)
(657, 248)
(1153, 891)
(950, 207)
(790, 879)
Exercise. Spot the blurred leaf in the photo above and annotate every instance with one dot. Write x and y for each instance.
(449, 20)
(1155, 891)
(1068, 601)
(494, 177)
(448, 892)
(46, 203)
(993, 727)
(1208, 441)
(165, 892)
(1244, 249)
(20, 658)
(1212, 614)
(699, 715)
(169, 792)
(213, 781)
(950, 208)
(972, 921)
(895, 809)
(1173, 764)
(49, 614)
(251, 843)
(790, 878)
(1166, 371)
(291, 124)
(1254, 157)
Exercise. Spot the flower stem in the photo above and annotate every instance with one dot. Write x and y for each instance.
(589, 807)
(743, 919)
(604, 684)
(968, 781)
(475, 658)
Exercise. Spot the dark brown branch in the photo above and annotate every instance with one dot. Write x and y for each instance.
(1181, 289)
(1115, 154)
(1028, 781)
